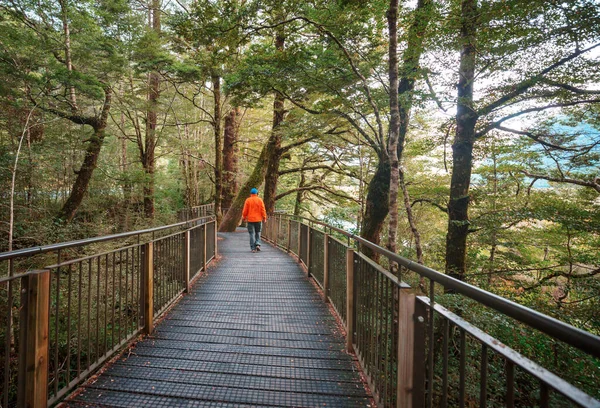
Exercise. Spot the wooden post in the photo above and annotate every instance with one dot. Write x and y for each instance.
(148, 286)
(186, 260)
(326, 268)
(289, 243)
(216, 240)
(308, 250)
(406, 346)
(33, 353)
(419, 354)
(299, 241)
(349, 299)
(277, 230)
(204, 250)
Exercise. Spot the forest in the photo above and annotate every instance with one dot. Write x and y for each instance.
(464, 135)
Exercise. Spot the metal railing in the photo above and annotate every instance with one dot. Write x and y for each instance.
(414, 351)
(196, 212)
(60, 323)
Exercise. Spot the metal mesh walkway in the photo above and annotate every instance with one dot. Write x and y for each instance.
(253, 332)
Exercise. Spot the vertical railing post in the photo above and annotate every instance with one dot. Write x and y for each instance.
(308, 232)
(326, 268)
(186, 260)
(204, 256)
(420, 326)
(289, 230)
(349, 299)
(277, 228)
(300, 241)
(148, 286)
(216, 240)
(406, 346)
(33, 353)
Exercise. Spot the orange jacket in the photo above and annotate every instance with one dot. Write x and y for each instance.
(254, 209)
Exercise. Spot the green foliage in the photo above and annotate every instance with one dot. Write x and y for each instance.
(535, 235)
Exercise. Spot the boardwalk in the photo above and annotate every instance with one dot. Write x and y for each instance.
(254, 332)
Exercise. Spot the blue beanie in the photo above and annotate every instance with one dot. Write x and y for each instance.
(254, 191)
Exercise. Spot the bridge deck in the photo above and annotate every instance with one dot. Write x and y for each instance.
(253, 332)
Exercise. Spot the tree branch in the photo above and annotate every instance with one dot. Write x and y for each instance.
(497, 123)
(537, 139)
(528, 83)
(590, 274)
(593, 184)
(426, 200)
(571, 88)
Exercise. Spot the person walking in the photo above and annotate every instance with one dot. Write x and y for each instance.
(254, 214)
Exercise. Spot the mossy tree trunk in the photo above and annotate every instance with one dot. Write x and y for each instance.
(230, 157)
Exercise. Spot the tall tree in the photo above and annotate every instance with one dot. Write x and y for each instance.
(92, 152)
(230, 156)
(392, 17)
(539, 83)
(148, 149)
(64, 40)
(218, 166)
(462, 148)
(274, 151)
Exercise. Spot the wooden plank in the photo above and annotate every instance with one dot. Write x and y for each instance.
(33, 359)
(420, 325)
(216, 240)
(326, 268)
(186, 260)
(299, 242)
(406, 341)
(148, 286)
(289, 237)
(204, 251)
(308, 230)
(349, 299)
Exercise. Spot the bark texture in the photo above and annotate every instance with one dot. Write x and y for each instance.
(148, 151)
(300, 194)
(462, 148)
(90, 161)
(411, 219)
(230, 158)
(392, 17)
(216, 81)
(232, 218)
(376, 207)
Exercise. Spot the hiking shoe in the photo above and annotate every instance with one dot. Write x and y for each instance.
(254, 250)
(258, 248)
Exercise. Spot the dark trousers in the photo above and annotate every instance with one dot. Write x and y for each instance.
(254, 229)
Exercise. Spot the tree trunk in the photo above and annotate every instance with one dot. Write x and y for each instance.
(376, 208)
(299, 195)
(216, 81)
(411, 219)
(462, 148)
(410, 67)
(493, 237)
(84, 175)
(148, 156)
(274, 151)
(232, 219)
(392, 17)
(68, 57)
(126, 184)
(230, 157)
(401, 101)
(233, 216)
